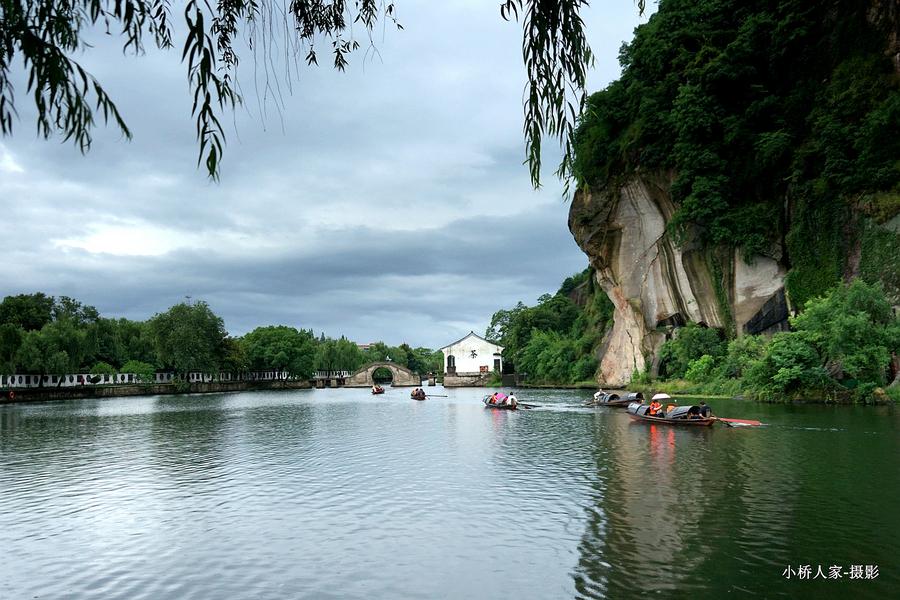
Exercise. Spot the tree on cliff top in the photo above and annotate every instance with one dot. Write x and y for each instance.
(46, 33)
(758, 110)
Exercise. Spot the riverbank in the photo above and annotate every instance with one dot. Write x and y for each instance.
(732, 389)
(578, 385)
(52, 393)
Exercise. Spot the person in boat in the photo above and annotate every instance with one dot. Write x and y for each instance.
(705, 410)
(493, 398)
(598, 395)
(654, 408)
(511, 400)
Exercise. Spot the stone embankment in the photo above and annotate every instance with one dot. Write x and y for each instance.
(54, 393)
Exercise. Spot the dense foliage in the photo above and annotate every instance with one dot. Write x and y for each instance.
(841, 345)
(691, 343)
(555, 341)
(43, 335)
(776, 118)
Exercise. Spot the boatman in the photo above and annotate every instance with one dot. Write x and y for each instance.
(654, 408)
(511, 400)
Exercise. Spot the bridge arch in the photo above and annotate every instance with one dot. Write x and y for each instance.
(402, 376)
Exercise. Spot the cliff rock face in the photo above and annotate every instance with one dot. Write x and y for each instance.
(656, 283)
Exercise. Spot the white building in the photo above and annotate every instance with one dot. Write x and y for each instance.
(472, 355)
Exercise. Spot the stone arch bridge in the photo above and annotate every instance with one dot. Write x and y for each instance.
(402, 377)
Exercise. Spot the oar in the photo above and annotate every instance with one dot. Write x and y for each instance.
(523, 405)
(437, 395)
(737, 422)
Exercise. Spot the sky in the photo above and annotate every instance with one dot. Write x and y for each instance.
(387, 203)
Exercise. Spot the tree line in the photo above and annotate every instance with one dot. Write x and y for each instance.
(557, 340)
(42, 335)
(844, 344)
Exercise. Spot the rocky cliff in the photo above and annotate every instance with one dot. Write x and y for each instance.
(657, 285)
(745, 161)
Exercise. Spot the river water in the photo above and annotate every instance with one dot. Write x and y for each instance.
(341, 494)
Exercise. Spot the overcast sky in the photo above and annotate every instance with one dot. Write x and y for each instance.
(387, 203)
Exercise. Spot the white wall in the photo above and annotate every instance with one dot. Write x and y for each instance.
(465, 362)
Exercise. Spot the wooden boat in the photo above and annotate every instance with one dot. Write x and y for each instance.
(378, 391)
(680, 415)
(419, 396)
(487, 404)
(614, 400)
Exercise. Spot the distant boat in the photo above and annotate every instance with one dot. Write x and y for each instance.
(417, 396)
(378, 390)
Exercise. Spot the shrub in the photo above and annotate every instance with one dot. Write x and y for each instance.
(585, 368)
(853, 330)
(790, 364)
(102, 368)
(741, 352)
(702, 370)
(144, 372)
(690, 343)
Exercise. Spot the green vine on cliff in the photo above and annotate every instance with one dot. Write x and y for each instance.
(751, 103)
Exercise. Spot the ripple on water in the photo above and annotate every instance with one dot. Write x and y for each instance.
(335, 494)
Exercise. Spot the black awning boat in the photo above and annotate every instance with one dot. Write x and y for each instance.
(612, 399)
(678, 415)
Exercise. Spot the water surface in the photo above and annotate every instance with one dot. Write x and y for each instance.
(341, 494)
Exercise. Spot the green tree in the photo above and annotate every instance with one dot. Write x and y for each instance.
(282, 348)
(69, 309)
(10, 341)
(104, 343)
(741, 353)
(790, 365)
(234, 356)
(701, 370)
(853, 330)
(690, 343)
(426, 360)
(189, 337)
(136, 339)
(54, 350)
(28, 311)
(795, 104)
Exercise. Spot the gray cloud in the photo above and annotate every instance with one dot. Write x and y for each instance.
(387, 203)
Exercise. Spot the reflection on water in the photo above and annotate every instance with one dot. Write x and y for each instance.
(338, 494)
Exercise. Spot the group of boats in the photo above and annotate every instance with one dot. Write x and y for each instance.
(664, 409)
(661, 409)
(670, 413)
